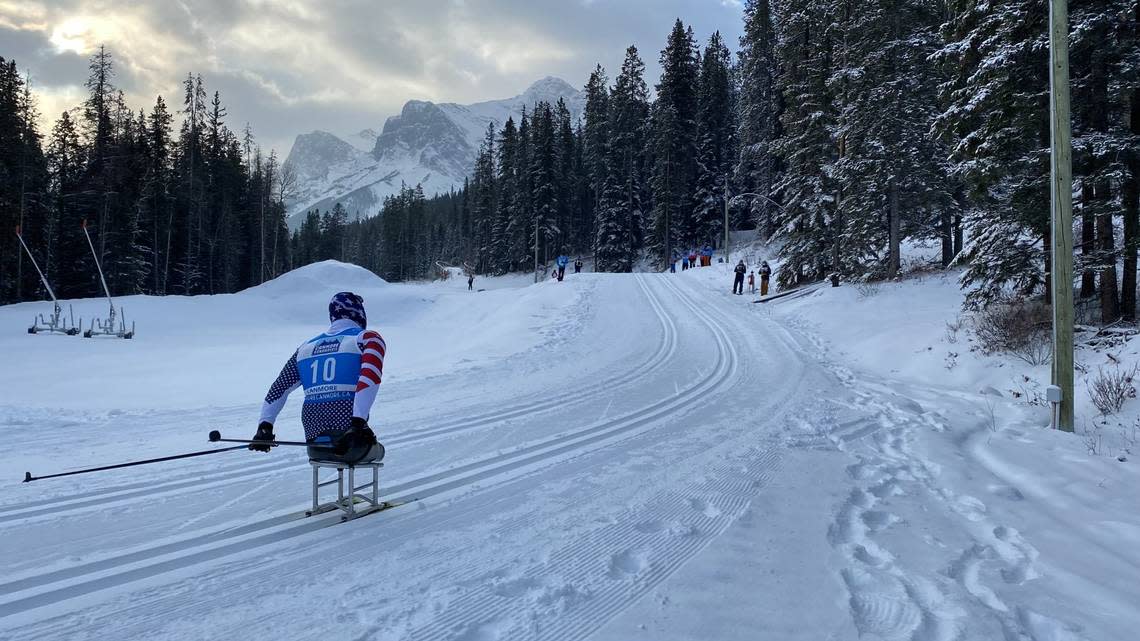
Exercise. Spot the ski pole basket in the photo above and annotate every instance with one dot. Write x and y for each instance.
(346, 501)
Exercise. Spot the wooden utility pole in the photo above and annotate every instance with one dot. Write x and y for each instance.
(1061, 186)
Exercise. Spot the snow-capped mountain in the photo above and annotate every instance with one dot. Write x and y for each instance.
(433, 145)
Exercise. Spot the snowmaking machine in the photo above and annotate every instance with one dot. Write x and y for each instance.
(106, 326)
(56, 323)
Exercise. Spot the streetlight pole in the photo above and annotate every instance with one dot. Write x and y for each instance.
(1061, 186)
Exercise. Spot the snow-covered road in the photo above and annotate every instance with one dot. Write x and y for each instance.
(613, 457)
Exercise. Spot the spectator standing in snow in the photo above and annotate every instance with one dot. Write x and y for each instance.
(738, 279)
(470, 282)
(578, 265)
(562, 261)
(706, 256)
(684, 263)
(692, 258)
(765, 274)
(751, 283)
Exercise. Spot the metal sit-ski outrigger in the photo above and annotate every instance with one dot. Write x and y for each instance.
(57, 323)
(101, 326)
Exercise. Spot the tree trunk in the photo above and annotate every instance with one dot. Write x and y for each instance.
(1047, 241)
(1131, 194)
(946, 235)
(1106, 258)
(959, 241)
(894, 261)
(1088, 241)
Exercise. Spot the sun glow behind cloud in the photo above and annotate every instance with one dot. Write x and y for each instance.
(75, 35)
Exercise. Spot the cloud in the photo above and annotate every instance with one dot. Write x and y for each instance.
(290, 66)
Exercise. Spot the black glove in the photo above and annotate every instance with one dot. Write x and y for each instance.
(265, 436)
(358, 434)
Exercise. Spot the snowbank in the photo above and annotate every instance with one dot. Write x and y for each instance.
(224, 350)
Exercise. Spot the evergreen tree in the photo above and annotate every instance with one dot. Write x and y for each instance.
(674, 145)
(544, 177)
(996, 118)
(620, 216)
(483, 197)
(759, 110)
(596, 132)
(715, 136)
(804, 46)
(508, 202)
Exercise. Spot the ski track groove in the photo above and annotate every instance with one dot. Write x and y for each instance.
(575, 564)
(195, 480)
(575, 442)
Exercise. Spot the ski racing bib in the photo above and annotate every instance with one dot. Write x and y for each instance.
(329, 367)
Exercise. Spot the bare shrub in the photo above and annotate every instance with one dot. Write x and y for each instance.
(953, 327)
(866, 289)
(1093, 438)
(1109, 390)
(1018, 327)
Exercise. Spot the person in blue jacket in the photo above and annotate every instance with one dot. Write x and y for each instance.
(562, 261)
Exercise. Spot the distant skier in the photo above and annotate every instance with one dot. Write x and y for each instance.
(751, 282)
(578, 266)
(765, 274)
(470, 282)
(562, 261)
(340, 370)
(738, 279)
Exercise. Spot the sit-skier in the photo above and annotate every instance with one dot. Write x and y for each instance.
(340, 370)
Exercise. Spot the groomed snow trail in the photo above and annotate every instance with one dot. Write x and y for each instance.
(565, 493)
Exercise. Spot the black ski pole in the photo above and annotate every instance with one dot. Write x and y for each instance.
(216, 437)
(28, 475)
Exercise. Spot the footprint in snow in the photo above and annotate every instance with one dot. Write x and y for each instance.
(490, 631)
(704, 507)
(878, 520)
(627, 564)
(1018, 553)
(969, 507)
(1007, 492)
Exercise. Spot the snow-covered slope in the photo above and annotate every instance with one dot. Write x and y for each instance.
(614, 457)
(429, 144)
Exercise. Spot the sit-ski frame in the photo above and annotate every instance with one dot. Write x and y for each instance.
(347, 504)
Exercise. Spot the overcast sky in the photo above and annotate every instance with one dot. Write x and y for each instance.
(291, 66)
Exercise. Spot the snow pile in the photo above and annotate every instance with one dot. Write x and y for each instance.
(325, 275)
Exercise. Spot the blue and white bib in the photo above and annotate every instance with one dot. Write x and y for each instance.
(329, 366)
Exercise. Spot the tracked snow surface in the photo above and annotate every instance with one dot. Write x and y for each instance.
(613, 457)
